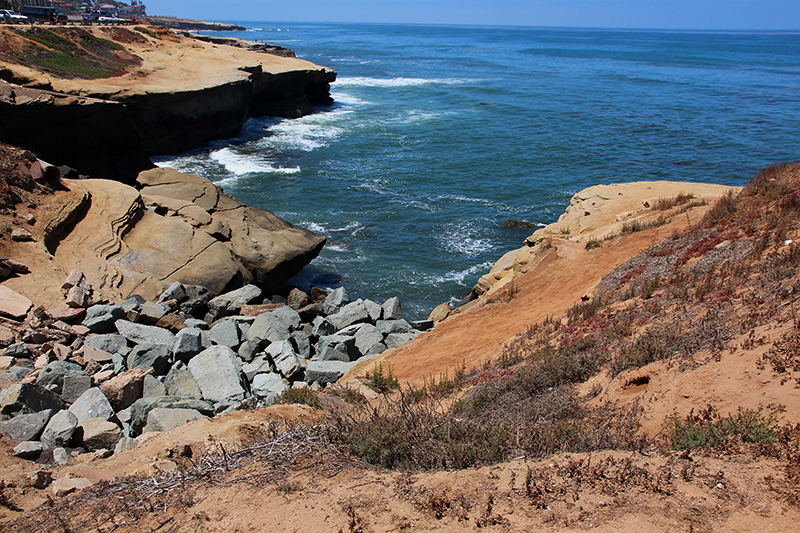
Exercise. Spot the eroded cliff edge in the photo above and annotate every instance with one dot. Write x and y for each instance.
(127, 94)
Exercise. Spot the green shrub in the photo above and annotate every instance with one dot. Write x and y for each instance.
(301, 395)
(711, 430)
(377, 381)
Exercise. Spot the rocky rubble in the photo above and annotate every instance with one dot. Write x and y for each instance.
(97, 380)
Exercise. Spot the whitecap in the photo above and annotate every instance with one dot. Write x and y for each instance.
(240, 164)
(361, 81)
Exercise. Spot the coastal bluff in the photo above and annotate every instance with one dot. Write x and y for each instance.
(134, 93)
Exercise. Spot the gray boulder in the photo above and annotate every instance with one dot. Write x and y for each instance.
(218, 372)
(392, 310)
(259, 365)
(102, 318)
(145, 356)
(142, 407)
(74, 386)
(108, 342)
(188, 343)
(326, 371)
(289, 317)
(393, 326)
(176, 291)
(152, 387)
(268, 387)
(181, 384)
(162, 419)
(18, 350)
(302, 344)
(29, 450)
(225, 333)
(374, 310)
(92, 404)
(352, 313)
(141, 334)
(247, 351)
(337, 348)
(393, 340)
(322, 326)
(51, 377)
(26, 427)
(26, 398)
(267, 327)
(335, 300)
(152, 312)
(284, 357)
(196, 323)
(367, 337)
(59, 429)
(231, 302)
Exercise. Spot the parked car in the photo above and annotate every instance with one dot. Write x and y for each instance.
(110, 20)
(10, 17)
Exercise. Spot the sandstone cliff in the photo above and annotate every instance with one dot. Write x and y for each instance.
(168, 93)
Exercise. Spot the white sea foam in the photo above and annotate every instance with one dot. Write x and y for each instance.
(461, 275)
(240, 164)
(360, 81)
(307, 133)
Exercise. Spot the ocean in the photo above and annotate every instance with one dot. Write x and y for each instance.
(440, 135)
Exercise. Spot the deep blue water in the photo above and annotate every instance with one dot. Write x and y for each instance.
(440, 134)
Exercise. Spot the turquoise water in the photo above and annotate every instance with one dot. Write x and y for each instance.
(440, 134)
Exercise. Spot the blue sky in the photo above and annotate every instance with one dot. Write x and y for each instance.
(657, 14)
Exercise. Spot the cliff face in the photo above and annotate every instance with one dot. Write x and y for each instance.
(180, 93)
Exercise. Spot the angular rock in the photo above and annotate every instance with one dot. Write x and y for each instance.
(230, 302)
(92, 404)
(21, 234)
(326, 371)
(17, 350)
(172, 322)
(102, 318)
(51, 377)
(188, 343)
(13, 304)
(421, 325)
(29, 450)
(141, 408)
(352, 313)
(289, 317)
(225, 333)
(74, 278)
(59, 429)
(149, 356)
(267, 327)
(152, 387)
(124, 389)
(161, 419)
(218, 372)
(151, 312)
(260, 365)
(302, 344)
(67, 314)
(17, 373)
(60, 456)
(337, 348)
(367, 337)
(247, 351)
(181, 384)
(77, 297)
(196, 323)
(376, 349)
(99, 434)
(90, 353)
(26, 427)
(141, 334)
(393, 326)
(25, 398)
(74, 386)
(108, 342)
(392, 310)
(297, 299)
(322, 326)
(335, 300)
(176, 291)
(268, 387)
(284, 357)
(374, 310)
